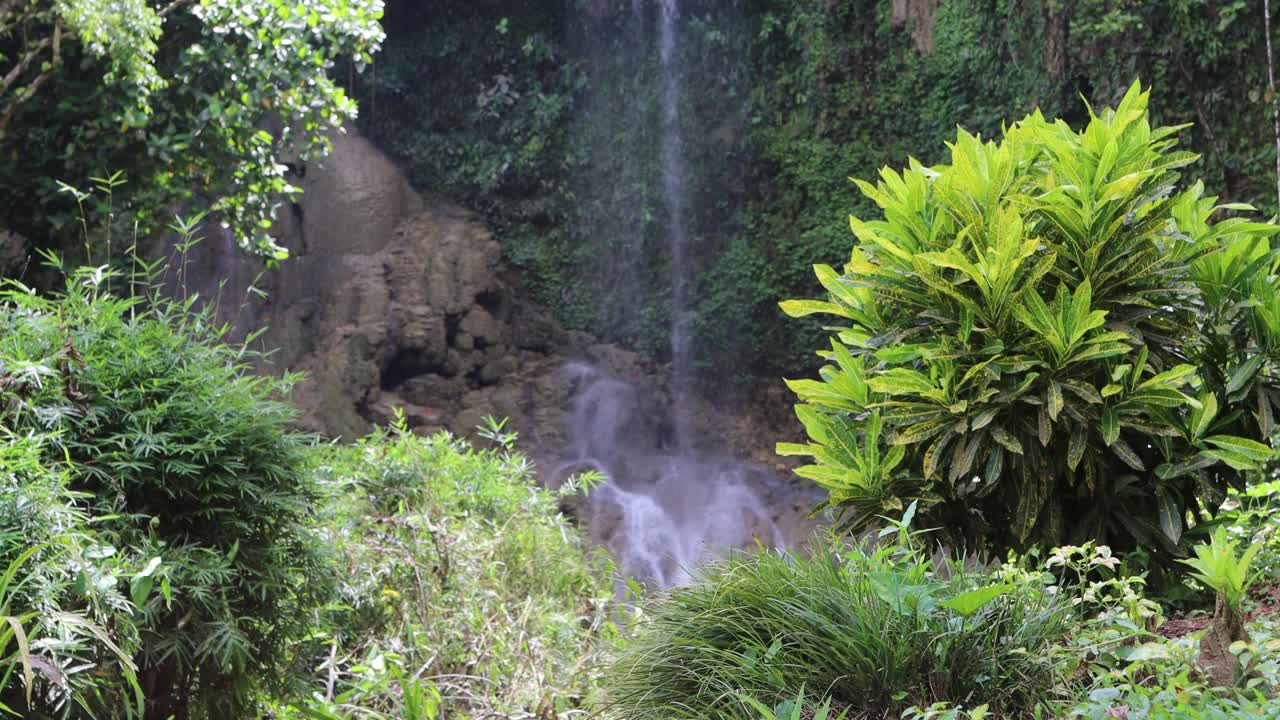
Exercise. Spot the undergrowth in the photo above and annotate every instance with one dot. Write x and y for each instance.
(870, 629)
(462, 590)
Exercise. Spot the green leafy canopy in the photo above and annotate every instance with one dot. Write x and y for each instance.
(204, 99)
(1046, 339)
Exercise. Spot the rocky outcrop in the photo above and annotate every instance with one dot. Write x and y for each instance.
(14, 252)
(396, 300)
(918, 17)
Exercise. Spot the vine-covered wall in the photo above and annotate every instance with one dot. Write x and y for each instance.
(542, 116)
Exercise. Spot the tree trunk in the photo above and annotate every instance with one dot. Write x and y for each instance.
(1215, 659)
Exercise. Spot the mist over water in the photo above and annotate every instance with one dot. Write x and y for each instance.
(665, 509)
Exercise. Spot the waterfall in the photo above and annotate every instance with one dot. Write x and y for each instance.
(668, 505)
(673, 187)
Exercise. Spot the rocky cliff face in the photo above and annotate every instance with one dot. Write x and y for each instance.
(15, 252)
(397, 299)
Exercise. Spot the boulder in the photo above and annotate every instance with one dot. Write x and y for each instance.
(14, 252)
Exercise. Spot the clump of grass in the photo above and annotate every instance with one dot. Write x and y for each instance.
(459, 582)
(872, 631)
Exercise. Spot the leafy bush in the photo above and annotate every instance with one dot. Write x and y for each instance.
(185, 97)
(66, 628)
(182, 455)
(1045, 340)
(871, 630)
(1160, 681)
(462, 589)
(1217, 566)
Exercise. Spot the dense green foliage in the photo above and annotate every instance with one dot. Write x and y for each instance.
(1052, 336)
(461, 586)
(184, 97)
(1048, 339)
(420, 578)
(872, 629)
(783, 102)
(200, 559)
(180, 454)
(67, 635)
(866, 630)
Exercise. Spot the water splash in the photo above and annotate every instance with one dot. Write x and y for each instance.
(663, 510)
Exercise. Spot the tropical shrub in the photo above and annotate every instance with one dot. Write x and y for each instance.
(180, 454)
(66, 621)
(870, 630)
(1045, 340)
(462, 591)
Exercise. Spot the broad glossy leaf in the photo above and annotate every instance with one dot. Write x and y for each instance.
(1251, 449)
(968, 603)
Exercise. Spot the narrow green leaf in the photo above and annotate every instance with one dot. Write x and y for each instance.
(1251, 449)
(1127, 455)
(1054, 400)
(1244, 374)
(1203, 417)
(983, 418)
(1075, 450)
(1005, 438)
(801, 308)
(1170, 513)
(1110, 426)
(933, 455)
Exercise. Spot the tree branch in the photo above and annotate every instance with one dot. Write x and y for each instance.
(23, 64)
(173, 6)
(1271, 80)
(26, 95)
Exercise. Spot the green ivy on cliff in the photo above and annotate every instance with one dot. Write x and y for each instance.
(544, 119)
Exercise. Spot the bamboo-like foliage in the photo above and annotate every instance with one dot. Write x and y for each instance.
(1045, 339)
(180, 454)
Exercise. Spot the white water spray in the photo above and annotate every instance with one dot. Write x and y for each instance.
(663, 511)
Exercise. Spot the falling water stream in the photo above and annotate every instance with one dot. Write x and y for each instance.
(673, 191)
(666, 507)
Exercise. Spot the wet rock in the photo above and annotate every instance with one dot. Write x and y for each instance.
(433, 390)
(481, 325)
(14, 251)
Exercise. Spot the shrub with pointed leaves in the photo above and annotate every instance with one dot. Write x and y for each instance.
(179, 453)
(1046, 339)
